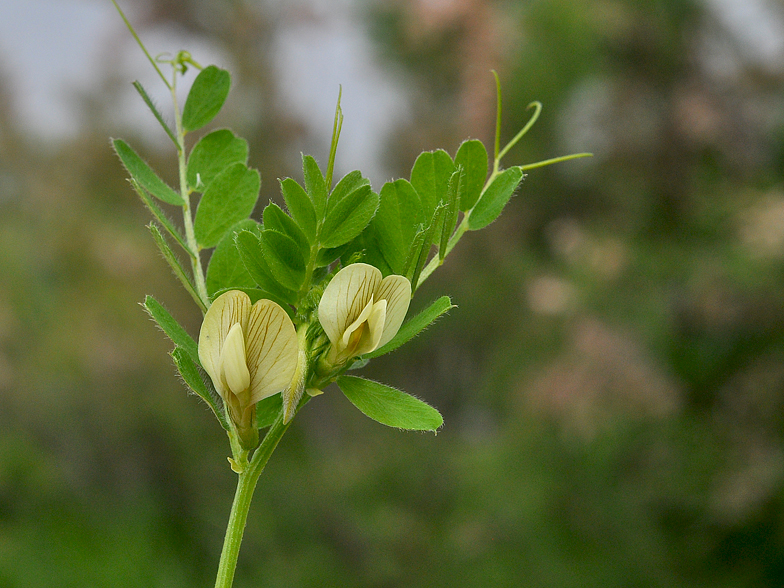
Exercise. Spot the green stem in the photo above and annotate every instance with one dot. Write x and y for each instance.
(246, 484)
(187, 215)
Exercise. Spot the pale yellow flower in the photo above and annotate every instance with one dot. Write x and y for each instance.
(360, 311)
(250, 352)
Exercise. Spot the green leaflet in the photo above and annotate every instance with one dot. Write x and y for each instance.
(143, 174)
(494, 198)
(316, 185)
(347, 219)
(430, 177)
(396, 222)
(198, 381)
(205, 98)
(156, 113)
(249, 247)
(229, 199)
(226, 269)
(389, 406)
(346, 186)
(212, 154)
(472, 156)
(300, 207)
(267, 410)
(275, 218)
(413, 326)
(171, 327)
(283, 258)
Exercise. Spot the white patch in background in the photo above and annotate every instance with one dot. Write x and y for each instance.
(313, 57)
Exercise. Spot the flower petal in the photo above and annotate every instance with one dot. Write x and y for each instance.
(345, 297)
(271, 346)
(233, 362)
(396, 290)
(228, 309)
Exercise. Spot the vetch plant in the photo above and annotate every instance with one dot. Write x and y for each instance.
(292, 303)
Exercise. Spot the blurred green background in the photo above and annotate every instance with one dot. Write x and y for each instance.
(612, 380)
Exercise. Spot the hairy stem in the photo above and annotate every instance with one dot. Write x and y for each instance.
(246, 484)
(187, 215)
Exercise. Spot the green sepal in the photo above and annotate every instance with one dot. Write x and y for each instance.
(249, 247)
(390, 406)
(154, 109)
(300, 207)
(267, 410)
(206, 97)
(212, 154)
(199, 382)
(144, 175)
(349, 217)
(472, 156)
(171, 327)
(395, 224)
(316, 185)
(415, 325)
(283, 258)
(494, 198)
(229, 198)
(226, 269)
(275, 218)
(175, 265)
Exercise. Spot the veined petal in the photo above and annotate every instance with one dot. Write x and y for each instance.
(228, 309)
(396, 290)
(358, 322)
(233, 362)
(345, 297)
(271, 347)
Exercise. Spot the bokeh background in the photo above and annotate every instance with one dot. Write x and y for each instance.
(612, 380)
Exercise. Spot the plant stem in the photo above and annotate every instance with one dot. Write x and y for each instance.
(246, 484)
(190, 235)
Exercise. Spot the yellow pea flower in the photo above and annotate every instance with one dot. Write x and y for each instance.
(360, 311)
(249, 352)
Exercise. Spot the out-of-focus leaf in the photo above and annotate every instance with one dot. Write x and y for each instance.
(143, 174)
(229, 199)
(212, 154)
(205, 98)
(389, 406)
(494, 198)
